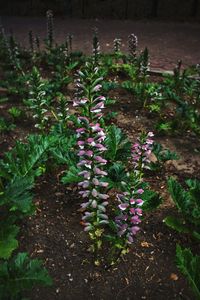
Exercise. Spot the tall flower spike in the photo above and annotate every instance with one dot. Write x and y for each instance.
(129, 215)
(144, 63)
(50, 28)
(117, 45)
(31, 44)
(96, 46)
(37, 43)
(91, 138)
(132, 45)
(141, 152)
(70, 39)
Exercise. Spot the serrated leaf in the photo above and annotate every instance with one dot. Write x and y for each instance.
(8, 242)
(72, 175)
(118, 145)
(176, 224)
(20, 274)
(151, 200)
(189, 265)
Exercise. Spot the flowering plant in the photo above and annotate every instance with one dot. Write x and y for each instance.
(90, 141)
(141, 152)
(115, 221)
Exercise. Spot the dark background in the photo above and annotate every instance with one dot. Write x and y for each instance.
(117, 9)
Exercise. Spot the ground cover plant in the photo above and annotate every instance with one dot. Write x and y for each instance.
(90, 178)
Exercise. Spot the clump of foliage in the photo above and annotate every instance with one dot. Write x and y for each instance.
(189, 265)
(188, 205)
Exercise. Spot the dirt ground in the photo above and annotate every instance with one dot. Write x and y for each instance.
(166, 41)
(54, 234)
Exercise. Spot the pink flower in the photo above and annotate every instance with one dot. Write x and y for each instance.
(139, 202)
(135, 229)
(95, 181)
(135, 220)
(123, 206)
(85, 174)
(132, 201)
(96, 127)
(85, 184)
(97, 88)
(100, 172)
(89, 153)
(100, 147)
(80, 130)
(138, 211)
(81, 152)
(132, 210)
(100, 159)
(140, 191)
(149, 141)
(90, 140)
(150, 134)
(80, 143)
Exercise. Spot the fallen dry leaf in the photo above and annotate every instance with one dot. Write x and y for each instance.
(146, 244)
(173, 276)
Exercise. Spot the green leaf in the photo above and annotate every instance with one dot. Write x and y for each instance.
(178, 194)
(17, 196)
(187, 201)
(116, 175)
(72, 175)
(176, 224)
(25, 159)
(118, 145)
(189, 265)
(151, 200)
(8, 242)
(20, 274)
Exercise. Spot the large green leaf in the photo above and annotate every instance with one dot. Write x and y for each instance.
(118, 145)
(151, 200)
(20, 274)
(25, 159)
(176, 224)
(17, 196)
(72, 175)
(8, 242)
(189, 265)
(187, 201)
(116, 175)
(179, 195)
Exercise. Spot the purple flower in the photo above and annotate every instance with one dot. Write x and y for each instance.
(135, 229)
(100, 172)
(80, 130)
(100, 159)
(135, 219)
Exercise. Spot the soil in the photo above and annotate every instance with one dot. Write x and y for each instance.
(167, 41)
(55, 234)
